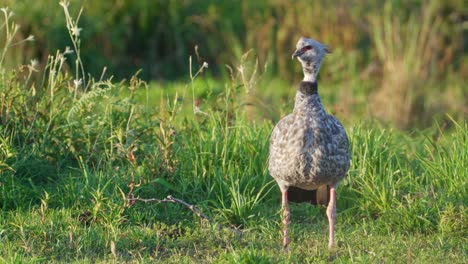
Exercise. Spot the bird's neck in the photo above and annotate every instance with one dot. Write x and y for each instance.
(308, 88)
(310, 70)
(307, 99)
(309, 76)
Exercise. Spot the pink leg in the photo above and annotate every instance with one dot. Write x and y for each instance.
(286, 218)
(331, 213)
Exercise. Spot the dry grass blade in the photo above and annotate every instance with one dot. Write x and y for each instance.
(407, 51)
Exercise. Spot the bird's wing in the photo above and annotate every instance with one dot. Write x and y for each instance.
(340, 139)
(278, 139)
(280, 131)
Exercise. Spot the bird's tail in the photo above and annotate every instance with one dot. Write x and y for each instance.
(320, 196)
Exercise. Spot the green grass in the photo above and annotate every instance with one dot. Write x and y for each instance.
(391, 208)
(71, 155)
(399, 61)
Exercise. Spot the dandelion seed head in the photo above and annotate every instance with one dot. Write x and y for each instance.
(68, 50)
(34, 64)
(78, 83)
(76, 31)
(64, 3)
(7, 12)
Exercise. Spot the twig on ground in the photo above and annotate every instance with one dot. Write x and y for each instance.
(171, 199)
(131, 199)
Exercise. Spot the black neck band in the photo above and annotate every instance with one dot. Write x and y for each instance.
(308, 87)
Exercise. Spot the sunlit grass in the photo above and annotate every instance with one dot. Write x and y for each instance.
(68, 163)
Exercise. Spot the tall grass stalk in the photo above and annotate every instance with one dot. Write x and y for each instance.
(10, 30)
(409, 52)
(74, 33)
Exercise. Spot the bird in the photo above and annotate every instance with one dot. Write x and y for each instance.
(309, 151)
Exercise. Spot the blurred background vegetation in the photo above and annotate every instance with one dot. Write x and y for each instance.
(76, 143)
(402, 62)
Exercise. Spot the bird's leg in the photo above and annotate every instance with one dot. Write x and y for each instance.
(331, 213)
(286, 218)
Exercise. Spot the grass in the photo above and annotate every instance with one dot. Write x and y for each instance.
(391, 207)
(72, 152)
(399, 61)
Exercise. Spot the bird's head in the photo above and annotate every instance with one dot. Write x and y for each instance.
(310, 53)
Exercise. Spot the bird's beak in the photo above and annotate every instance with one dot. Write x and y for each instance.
(297, 53)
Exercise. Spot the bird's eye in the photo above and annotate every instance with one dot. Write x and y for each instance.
(307, 48)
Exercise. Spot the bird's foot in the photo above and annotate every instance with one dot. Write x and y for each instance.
(286, 244)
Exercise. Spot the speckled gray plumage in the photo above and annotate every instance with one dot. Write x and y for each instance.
(309, 147)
